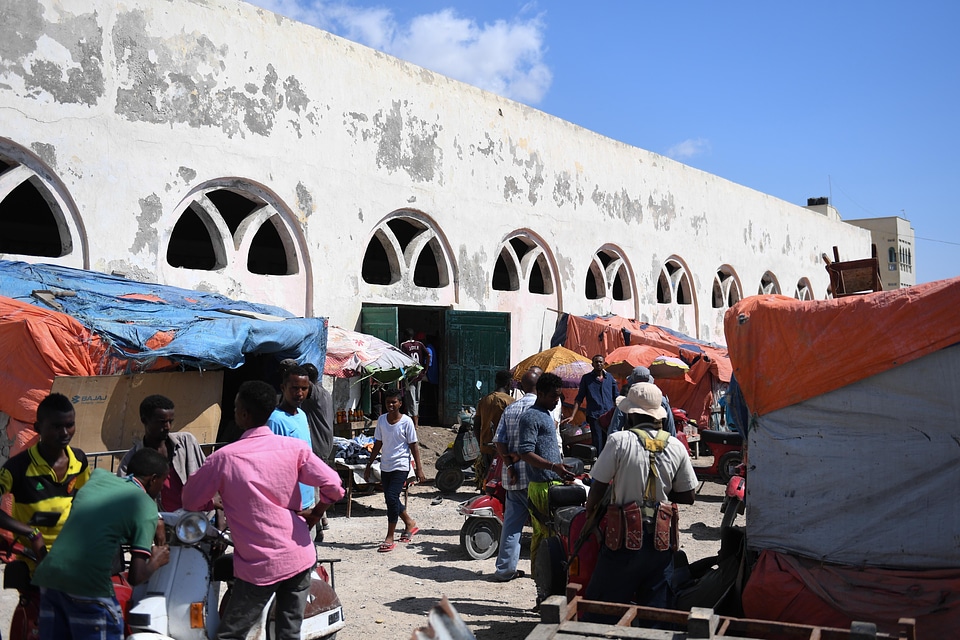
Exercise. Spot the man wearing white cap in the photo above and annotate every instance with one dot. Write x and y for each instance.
(648, 471)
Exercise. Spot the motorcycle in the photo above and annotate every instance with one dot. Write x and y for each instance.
(460, 455)
(726, 447)
(181, 601)
(734, 499)
(480, 533)
(564, 503)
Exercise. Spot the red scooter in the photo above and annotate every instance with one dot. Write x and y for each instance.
(480, 534)
(726, 447)
(734, 499)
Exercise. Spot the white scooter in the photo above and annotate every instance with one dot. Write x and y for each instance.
(181, 601)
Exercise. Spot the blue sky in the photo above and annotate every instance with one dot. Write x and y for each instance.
(858, 101)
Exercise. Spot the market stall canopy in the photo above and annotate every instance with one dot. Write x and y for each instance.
(56, 321)
(548, 361)
(572, 372)
(852, 444)
(351, 354)
(623, 360)
(145, 322)
(697, 391)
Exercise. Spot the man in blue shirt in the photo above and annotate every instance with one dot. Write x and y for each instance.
(600, 390)
(539, 449)
(288, 420)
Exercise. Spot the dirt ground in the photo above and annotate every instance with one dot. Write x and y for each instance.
(388, 595)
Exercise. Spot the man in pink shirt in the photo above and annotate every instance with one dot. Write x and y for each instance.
(258, 479)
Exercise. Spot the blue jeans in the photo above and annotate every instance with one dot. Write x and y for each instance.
(514, 517)
(392, 482)
(631, 576)
(67, 617)
(597, 436)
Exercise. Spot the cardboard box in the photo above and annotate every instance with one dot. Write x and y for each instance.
(108, 407)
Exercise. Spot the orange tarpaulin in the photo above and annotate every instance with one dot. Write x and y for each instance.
(828, 344)
(709, 365)
(38, 345)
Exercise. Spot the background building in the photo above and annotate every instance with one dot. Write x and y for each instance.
(221, 147)
(895, 243)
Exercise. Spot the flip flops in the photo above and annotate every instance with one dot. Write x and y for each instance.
(407, 536)
(386, 546)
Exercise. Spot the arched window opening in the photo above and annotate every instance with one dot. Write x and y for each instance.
(726, 291)
(540, 282)
(504, 276)
(427, 271)
(406, 249)
(717, 299)
(35, 219)
(376, 264)
(191, 244)
(621, 288)
(28, 226)
(520, 247)
(684, 295)
(593, 287)
(404, 231)
(267, 254)
(768, 285)
(222, 227)
(804, 290)
(233, 207)
(663, 289)
(891, 255)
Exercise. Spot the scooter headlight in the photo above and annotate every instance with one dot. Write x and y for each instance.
(192, 528)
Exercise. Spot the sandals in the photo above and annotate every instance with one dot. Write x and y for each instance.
(407, 536)
(386, 546)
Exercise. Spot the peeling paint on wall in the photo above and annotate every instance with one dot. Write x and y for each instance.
(564, 191)
(47, 153)
(187, 174)
(618, 205)
(663, 212)
(474, 279)
(407, 142)
(62, 59)
(510, 188)
(127, 270)
(179, 81)
(150, 212)
(699, 224)
(304, 200)
(567, 271)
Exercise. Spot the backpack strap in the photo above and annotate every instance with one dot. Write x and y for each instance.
(654, 446)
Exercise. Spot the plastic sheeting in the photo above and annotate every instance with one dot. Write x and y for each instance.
(148, 322)
(710, 366)
(865, 475)
(788, 350)
(808, 592)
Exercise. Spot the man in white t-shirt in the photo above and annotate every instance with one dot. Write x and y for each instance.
(636, 570)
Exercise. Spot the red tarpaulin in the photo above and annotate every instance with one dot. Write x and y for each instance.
(709, 365)
(791, 589)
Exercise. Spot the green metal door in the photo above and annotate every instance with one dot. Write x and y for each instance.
(477, 345)
(379, 322)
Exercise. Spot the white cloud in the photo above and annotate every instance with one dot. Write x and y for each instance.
(688, 149)
(505, 57)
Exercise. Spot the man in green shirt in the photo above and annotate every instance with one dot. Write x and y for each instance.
(77, 598)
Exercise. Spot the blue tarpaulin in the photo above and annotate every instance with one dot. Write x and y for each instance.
(143, 322)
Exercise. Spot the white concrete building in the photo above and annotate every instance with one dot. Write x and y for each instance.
(895, 242)
(217, 146)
